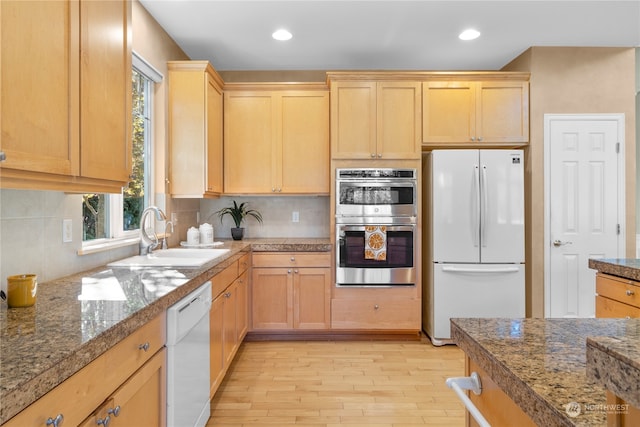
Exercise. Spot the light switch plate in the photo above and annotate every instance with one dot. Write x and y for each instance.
(67, 230)
(295, 216)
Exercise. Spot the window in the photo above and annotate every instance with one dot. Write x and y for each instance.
(115, 216)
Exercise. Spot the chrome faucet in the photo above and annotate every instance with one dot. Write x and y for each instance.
(164, 239)
(147, 243)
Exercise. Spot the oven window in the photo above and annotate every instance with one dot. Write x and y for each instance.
(399, 250)
(364, 195)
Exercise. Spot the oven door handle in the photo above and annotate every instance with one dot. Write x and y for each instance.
(391, 228)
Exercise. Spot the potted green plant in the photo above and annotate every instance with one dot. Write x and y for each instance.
(238, 212)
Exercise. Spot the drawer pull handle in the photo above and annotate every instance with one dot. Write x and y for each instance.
(144, 347)
(115, 411)
(104, 421)
(458, 384)
(630, 293)
(55, 422)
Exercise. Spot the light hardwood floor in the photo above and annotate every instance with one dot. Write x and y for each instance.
(329, 384)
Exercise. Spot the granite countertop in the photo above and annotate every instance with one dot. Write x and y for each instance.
(542, 364)
(75, 320)
(629, 268)
(614, 362)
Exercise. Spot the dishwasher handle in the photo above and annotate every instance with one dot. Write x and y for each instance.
(459, 384)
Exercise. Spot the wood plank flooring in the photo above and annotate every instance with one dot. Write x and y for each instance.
(330, 384)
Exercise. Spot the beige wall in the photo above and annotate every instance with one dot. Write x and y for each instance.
(568, 81)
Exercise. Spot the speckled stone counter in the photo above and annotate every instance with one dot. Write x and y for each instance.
(541, 364)
(291, 245)
(614, 362)
(629, 268)
(74, 320)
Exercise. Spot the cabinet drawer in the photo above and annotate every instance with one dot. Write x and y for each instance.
(220, 281)
(622, 290)
(79, 395)
(292, 259)
(375, 314)
(608, 308)
(244, 263)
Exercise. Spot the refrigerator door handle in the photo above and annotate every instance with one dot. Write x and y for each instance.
(485, 202)
(452, 269)
(476, 212)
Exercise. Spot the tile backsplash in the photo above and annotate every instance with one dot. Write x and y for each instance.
(31, 228)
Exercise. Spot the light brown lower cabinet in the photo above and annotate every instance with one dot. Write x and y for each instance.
(228, 318)
(141, 401)
(291, 290)
(617, 297)
(494, 405)
(130, 375)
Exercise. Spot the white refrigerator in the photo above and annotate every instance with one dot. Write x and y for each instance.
(473, 237)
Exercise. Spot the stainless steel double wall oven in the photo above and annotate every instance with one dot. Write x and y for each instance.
(384, 200)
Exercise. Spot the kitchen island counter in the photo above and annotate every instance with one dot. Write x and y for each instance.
(79, 317)
(541, 364)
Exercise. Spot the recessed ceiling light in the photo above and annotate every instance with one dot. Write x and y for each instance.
(282, 35)
(469, 34)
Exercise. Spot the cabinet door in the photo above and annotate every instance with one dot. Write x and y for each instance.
(448, 112)
(272, 296)
(305, 142)
(39, 79)
(312, 298)
(353, 120)
(214, 137)
(216, 360)
(398, 120)
(105, 90)
(142, 399)
(249, 134)
(502, 112)
(229, 333)
(242, 307)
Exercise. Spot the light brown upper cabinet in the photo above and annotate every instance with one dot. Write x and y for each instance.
(276, 141)
(462, 113)
(195, 130)
(375, 120)
(66, 95)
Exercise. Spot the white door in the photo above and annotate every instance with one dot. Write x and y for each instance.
(584, 177)
(502, 206)
(456, 205)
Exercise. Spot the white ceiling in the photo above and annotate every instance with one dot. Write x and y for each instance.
(391, 35)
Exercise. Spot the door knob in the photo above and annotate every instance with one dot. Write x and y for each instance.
(557, 243)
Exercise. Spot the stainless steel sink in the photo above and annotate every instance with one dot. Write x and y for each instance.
(174, 257)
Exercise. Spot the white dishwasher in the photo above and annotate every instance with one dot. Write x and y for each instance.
(188, 359)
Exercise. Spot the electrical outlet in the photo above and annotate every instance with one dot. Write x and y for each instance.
(67, 230)
(295, 216)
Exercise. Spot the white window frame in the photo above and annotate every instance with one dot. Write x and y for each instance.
(115, 202)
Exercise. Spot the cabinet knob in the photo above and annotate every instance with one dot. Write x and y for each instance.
(288, 271)
(104, 421)
(227, 295)
(373, 155)
(115, 411)
(473, 138)
(630, 293)
(479, 138)
(144, 347)
(375, 307)
(295, 271)
(379, 156)
(55, 422)
(293, 259)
